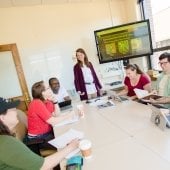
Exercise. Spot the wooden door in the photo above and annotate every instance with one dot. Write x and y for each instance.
(13, 84)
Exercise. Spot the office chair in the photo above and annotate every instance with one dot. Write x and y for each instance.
(21, 132)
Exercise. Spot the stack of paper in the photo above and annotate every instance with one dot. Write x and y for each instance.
(63, 140)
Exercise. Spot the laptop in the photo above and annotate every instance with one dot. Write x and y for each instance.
(65, 105)
(161, 117)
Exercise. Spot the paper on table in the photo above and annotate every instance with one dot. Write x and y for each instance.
(140, 93)
(64, 139)
(102, 102)
(68, 121)
(107, 103)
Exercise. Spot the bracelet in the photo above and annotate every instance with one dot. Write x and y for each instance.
(55, 102)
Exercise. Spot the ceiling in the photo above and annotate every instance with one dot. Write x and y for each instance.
(14, 3)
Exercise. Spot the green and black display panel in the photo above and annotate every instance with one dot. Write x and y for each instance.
(124, 41)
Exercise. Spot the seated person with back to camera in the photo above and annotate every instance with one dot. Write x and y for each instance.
(14, 154)
(163, 82)
(60, 92)
(43, 114)
(135, 78)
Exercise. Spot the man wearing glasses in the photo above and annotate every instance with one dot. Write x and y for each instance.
(163, 83)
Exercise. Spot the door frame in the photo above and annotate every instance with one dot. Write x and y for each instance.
(16, 58)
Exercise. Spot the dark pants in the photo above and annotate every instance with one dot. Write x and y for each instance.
(42, 140)
(35, 143)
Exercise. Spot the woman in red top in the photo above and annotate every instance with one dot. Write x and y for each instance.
(43, 113)
(135, 78)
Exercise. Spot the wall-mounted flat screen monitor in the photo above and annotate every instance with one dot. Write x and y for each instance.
(124, 41)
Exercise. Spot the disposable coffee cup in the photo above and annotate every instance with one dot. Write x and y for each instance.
(86, 148)
(80, 108)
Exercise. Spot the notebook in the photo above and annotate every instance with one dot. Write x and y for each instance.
(140, 93)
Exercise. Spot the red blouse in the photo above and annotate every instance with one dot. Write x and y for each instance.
(143, 80)
(38, 113)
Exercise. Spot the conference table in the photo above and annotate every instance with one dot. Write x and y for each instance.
(123, 138)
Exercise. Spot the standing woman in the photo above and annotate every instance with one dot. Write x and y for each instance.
(135, 78)
(85, 79)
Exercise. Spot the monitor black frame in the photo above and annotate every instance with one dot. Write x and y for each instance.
(124, 57)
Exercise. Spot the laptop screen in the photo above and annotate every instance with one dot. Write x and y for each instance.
(64, 103)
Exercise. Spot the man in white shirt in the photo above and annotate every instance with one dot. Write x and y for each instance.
(61, 93)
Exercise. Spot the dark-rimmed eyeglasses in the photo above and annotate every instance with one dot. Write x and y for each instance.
(163, 63)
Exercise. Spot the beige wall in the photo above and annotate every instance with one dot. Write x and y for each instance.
(131, 10)
(48, 35)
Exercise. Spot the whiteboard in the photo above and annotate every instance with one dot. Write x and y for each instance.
(9, 77)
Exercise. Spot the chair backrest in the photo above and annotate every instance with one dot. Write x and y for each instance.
(21, 128)
(21, 131)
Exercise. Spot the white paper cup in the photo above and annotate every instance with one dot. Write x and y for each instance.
(86, 148)
(80, 108)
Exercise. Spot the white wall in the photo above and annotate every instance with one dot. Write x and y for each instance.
(47, 36)
(161, 25)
